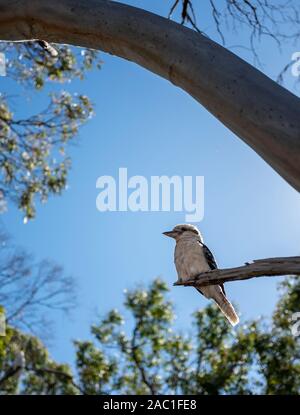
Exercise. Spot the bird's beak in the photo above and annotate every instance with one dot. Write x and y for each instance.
(170, 234)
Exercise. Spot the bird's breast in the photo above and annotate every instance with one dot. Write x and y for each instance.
(189, 259)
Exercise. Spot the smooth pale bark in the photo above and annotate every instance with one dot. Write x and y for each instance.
(268, 267)
(262, 113)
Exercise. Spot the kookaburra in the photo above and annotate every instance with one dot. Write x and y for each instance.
(192, 257)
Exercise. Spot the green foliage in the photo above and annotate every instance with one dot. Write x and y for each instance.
(33, 160)
(30, 65)
(43, 375)
(151, 357)
(278, 351)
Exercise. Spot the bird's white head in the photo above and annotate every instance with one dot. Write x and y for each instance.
(184, 230)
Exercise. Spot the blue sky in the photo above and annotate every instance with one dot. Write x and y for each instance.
(146, 124)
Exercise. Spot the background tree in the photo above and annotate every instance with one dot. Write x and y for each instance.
(150, 356)
(278, 22)
(31, 290)
(33, 159)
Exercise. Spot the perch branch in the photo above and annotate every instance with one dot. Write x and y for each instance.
(268, 267)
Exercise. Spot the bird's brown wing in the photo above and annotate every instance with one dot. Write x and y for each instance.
(211, 262)
(209, 257)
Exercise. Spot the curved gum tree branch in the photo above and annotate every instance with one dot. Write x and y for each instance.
(262, 113)
(268, 267)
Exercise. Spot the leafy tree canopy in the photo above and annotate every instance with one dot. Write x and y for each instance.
(150, 356)
(33, 162)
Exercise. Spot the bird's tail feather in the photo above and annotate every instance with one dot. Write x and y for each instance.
(227, 309)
